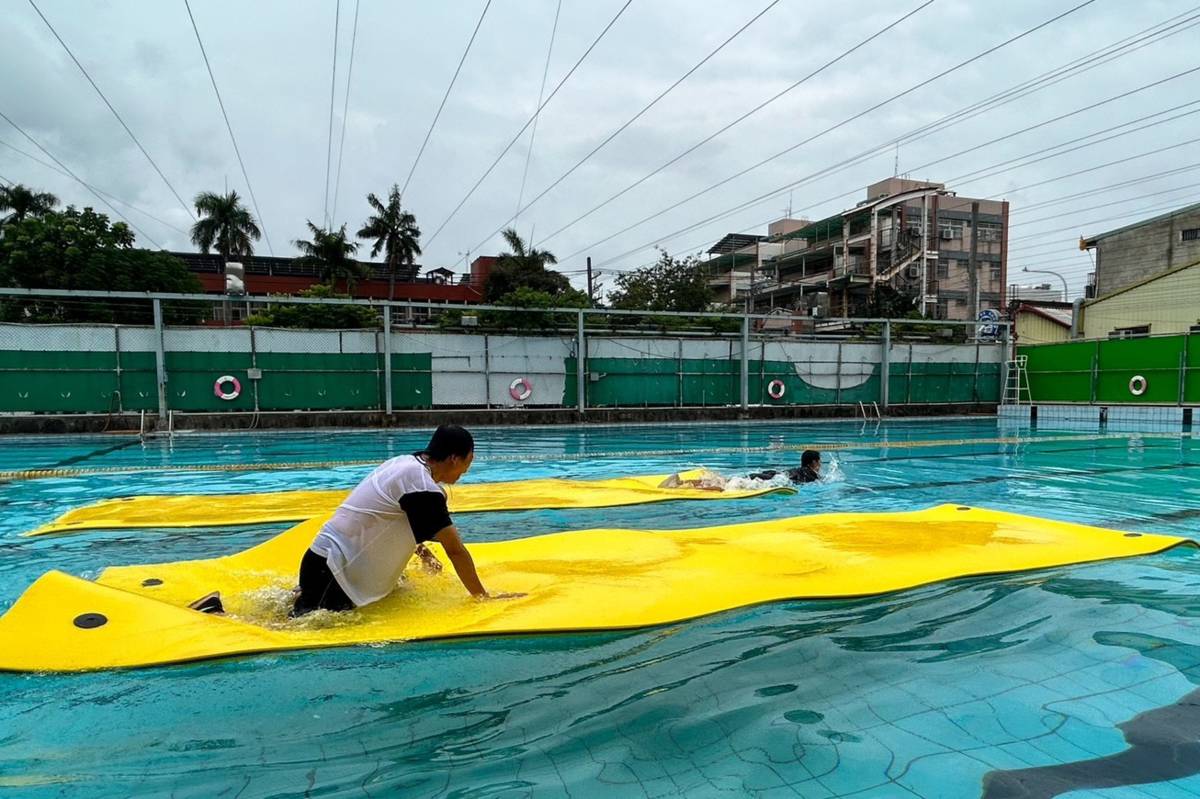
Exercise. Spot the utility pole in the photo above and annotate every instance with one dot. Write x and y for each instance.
(973, 265)
(589, 279)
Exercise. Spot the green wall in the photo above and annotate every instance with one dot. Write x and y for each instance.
(632, 382)
(1100, 371)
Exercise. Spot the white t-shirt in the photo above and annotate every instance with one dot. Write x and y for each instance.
(371, 536)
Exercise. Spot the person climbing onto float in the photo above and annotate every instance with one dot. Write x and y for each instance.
(358, 556)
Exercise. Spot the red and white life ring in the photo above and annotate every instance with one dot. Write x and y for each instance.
(520, 389)
(221, 393)
(776, 389)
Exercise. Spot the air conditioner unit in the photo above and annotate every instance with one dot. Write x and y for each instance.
(914, 272)
(946, 234)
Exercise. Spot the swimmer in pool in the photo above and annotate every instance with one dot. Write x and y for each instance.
(809, 471)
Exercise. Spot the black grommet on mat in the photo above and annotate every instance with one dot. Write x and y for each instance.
(150, 582)
(1133, 535)
(962, 507)
(89, 621)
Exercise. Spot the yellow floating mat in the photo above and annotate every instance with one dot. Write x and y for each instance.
(588, 580)
(200, 510)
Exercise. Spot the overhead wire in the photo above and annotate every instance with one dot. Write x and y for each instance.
(844, 54)
(844, 122)
(541, 94)
(337, 16)
(1151, 35)
(515, 138)
(229, 127)
(114, 111)
(445, 97)
(629, 122)
(337, 183)
(93, 188)
(79, 180)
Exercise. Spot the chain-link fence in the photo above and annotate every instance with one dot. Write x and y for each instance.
(77, 352)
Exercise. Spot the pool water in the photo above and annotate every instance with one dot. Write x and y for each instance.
(1078, 681)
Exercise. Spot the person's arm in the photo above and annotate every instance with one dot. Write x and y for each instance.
(464, 564)
(428, 560)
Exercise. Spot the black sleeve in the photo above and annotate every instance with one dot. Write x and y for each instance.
(427, 513)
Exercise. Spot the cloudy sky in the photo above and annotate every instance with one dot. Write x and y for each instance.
(273, 65)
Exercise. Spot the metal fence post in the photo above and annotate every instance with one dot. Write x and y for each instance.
(745, 373)
(885, 364)
(387, 359)
(580, 365)
(160, 363)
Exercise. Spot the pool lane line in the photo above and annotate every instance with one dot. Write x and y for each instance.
(828, 446)
(999, 478)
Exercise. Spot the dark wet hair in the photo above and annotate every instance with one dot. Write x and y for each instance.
(449, 440)
(809, 456)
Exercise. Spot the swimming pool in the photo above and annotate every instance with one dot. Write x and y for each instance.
(921, 693)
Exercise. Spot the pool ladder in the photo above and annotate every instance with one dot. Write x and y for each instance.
(862, 408)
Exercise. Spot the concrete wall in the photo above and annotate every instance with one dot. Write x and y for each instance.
(1125, 258)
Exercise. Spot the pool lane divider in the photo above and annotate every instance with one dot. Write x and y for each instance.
(825, 446)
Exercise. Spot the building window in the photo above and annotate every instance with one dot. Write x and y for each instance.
(989, 231)
(943, 310)
(949, 229)
(943, 268)
(1140, 331)
(1190, 234)
(995, 272)
(960, 303)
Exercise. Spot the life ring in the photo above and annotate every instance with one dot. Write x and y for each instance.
(520, 389)
(1137, 385)
(776, 389)
(227, 395)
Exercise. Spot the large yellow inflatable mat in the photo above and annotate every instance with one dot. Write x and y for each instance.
(587, 580)
(200, 510)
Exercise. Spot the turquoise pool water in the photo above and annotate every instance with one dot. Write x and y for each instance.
(1063, 680)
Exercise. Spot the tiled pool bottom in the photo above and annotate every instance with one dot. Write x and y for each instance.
(1062, 682)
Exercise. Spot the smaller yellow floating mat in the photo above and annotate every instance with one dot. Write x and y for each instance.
(589, 580)
(201, 510)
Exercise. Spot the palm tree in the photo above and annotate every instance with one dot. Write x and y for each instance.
(23, 201)
(225, 224)
(523, 266)
(395, 232)
(333, 255)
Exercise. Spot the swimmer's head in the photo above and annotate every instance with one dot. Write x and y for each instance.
(449, 453)
(812, 459)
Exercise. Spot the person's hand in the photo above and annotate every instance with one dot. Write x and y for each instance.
(429, 561)
(502, 595)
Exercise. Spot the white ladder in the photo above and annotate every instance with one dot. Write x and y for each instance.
(1016, 384)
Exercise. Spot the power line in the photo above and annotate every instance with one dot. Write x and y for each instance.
(229, 127)
(1061, 214)
(541, 94)
(1078, 225)
(630, 121)
(1121, 184)
(737, 121)
(959, 180)
(337, 183)
(92, 188)
(86, 75)
(844, 122)
(337, 15)
(445, 97)
(528, 122)
(78, 179)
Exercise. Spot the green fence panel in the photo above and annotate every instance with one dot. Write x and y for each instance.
(191, 379)
(1157, 360)
(1191, 377)
(319, 381)
(58, 382)
(139, 381)
(412, 380)
(1060, 372)
(711, 381)
(632, 382)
